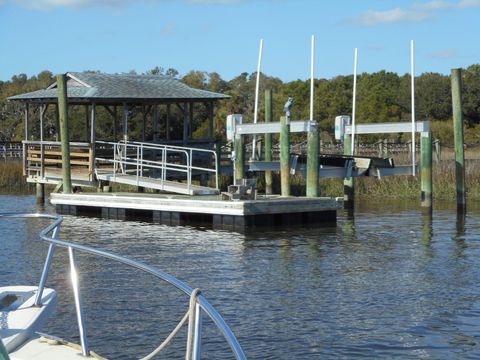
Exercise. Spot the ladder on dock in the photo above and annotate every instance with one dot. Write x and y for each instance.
(156, 166)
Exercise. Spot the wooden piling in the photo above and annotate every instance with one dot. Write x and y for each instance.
(239, 159)
(64, 136)
(312, 160)
(426, 169)
(268, 141)
(40, 193)
(456, 78)
(348, 181)
(285, 156)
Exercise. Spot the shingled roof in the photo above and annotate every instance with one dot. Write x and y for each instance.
(98, 87)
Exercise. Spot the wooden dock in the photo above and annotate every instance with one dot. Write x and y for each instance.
(211, 211)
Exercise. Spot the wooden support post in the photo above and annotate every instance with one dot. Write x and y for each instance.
(239, 159)
(87, 132)
(125, 122)
(63, 114)
(40, 193)
(27, 120)
(426, 169)
(190, 121)
(348, 181)
(167, 126)
(268, 141)
(144, 121)
(93, 139)
(25, 147)
(115, 123)
(210, 122)
(312, 160)
(185, 124)
(458, 137)
(285, 156)
(218, 151)
(155, 123)
(42, 146)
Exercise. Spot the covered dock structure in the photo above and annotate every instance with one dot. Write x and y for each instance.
(130, 150)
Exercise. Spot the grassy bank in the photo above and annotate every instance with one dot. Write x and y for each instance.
(12, 180)
(396, 187)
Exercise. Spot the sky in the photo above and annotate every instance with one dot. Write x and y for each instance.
(223, 36)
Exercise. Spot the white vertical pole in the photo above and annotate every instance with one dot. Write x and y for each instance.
(412, 72)
(257, 88)
(312, 61)
(355, 64)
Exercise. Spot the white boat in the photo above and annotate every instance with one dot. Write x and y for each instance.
(24, 309)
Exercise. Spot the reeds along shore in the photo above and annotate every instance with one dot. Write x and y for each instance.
(401, 187)
(12, 180)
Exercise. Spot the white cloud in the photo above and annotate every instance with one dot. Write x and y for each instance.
(444, 54)
(469, 4)
(396, 15)
(416, 13)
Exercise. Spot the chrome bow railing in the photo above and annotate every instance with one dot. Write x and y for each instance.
(51, 234)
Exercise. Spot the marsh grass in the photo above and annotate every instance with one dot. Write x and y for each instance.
(12, 180)
(400, 187)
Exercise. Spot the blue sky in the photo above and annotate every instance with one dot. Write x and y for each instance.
(223, 36)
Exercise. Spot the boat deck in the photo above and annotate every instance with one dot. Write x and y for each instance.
(47, 348)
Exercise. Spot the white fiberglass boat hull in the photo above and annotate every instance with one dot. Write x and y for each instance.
(19, 317)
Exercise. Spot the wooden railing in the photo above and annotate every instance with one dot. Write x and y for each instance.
(37, 155)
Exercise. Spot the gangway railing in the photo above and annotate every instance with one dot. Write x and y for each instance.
(198, 304)
(141, 159)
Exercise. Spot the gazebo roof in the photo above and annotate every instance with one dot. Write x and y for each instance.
(87, 87)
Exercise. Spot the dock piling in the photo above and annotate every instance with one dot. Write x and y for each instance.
(268, 141)
(40, 193)
(312, 160)
(285, 156)
(239, 159)
(456, 78)
(426, 169)
(348, 181)
(64, 136)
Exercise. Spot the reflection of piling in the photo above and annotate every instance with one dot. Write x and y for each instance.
(64, 136)
(312, 160)
(456, 79)
(348, 181)
(426, 169)
(285, 156)
(268, 141)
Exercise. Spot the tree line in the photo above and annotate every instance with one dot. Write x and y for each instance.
(381, 97)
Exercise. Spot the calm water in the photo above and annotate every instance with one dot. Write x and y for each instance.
(388, 282)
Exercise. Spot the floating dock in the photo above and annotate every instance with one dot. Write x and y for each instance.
(239, 215)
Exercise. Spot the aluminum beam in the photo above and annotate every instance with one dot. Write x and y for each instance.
(384, 128)
(274, 127)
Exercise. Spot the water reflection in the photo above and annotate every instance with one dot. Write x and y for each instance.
(389, 281)
(427, 231)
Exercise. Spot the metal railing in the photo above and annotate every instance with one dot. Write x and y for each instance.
(194, 314)
(140, 159)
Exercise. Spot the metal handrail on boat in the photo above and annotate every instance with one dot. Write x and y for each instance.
(198, 302)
